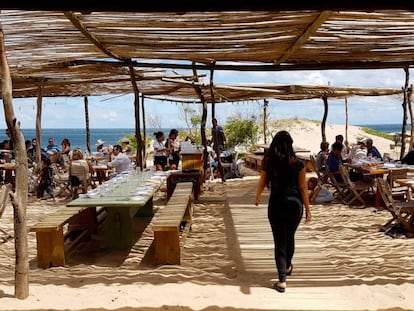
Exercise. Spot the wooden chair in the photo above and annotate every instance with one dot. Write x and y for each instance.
(396, 173)
(4, 194)
(355, 189)
(323, 176)
(79, 177)
(340, 187)
(402, 211)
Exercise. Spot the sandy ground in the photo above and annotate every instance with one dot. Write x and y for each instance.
(342, 261)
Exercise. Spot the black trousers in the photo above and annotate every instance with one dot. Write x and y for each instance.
(284, 216)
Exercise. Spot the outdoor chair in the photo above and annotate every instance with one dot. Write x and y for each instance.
(60, 180)
(4, 194)
(339, 186)
(323, 176)
(402, 211)
(355, 189)
(396, 173)
(79, 178)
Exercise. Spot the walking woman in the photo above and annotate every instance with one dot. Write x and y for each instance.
(284, 174)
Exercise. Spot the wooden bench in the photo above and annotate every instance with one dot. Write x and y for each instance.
(253, 160)
(168, 222)
(59, 232)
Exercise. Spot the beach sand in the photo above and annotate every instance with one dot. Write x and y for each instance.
(342, 261)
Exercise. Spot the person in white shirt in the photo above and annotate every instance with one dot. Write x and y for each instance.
(160, 151)
(120, 161)
(358, 151)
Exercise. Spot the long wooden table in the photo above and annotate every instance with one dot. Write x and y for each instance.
(122, 204)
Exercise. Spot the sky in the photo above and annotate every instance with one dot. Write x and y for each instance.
(118, 111)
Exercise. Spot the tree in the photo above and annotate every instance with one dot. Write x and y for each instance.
(241, 132)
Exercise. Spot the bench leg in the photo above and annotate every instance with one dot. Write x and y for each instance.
(118, 228)
(167, 247)
(50, 249)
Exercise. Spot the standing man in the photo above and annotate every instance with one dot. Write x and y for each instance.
(219, 138)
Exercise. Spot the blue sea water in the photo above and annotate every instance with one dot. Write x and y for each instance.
(386, 128)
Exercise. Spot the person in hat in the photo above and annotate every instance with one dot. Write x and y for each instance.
(126, 147)
(101, 148)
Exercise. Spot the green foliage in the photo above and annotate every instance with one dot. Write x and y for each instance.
(378, 133)
(240, 132)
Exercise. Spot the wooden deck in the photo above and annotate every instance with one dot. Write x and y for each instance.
(255, 243)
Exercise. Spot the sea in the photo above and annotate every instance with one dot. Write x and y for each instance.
(77, 136)
(386, 128)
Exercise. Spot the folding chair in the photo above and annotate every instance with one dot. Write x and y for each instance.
(323, 176)
(60, 180)
(402, 211)
(397, 173)
(4, 194)
(355, 188)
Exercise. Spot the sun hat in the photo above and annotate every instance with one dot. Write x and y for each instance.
(125, 140)
(99, 142)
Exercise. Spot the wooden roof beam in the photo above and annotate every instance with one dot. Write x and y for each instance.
(340, 65)
(322, 17)
(83, 29)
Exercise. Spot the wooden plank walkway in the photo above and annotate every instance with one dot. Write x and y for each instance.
(256, 247)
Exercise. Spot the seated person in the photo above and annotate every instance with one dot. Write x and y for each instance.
(105, 150)
(80, 170)
(120, 162)
(51, 147)
(318, 193)
(334, 160)
(345, 146)
(65, 146)
(409, 157)
(126, 147)
(358, 151)
(322, 156)
(372, 150)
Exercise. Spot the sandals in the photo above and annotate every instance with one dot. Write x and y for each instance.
(277, 286)
(289, 270)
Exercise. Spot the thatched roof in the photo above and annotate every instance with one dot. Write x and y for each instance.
(78, 54)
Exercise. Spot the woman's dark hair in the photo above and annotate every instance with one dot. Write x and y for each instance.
(277, 161)
(118, 147)
(173, 132)
(47, 161)
(158, 134)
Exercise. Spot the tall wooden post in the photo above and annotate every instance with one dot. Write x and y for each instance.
(325, 116)
(19, 198)
(405, 115)
(88, 132)
(265, 105)
(39, 124)
(137, 117)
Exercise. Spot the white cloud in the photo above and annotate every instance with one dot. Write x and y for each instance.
(118, 111)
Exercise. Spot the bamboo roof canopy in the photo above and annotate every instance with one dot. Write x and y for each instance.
(73, 53)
